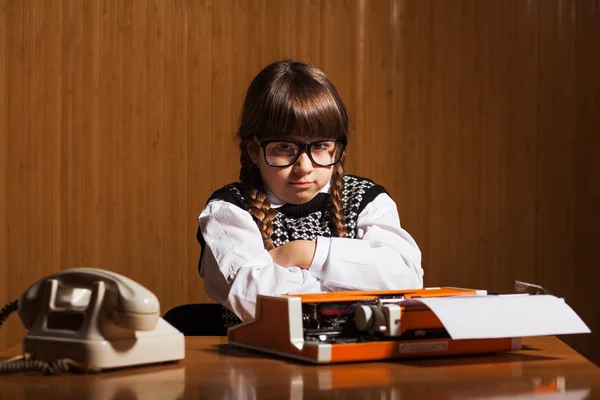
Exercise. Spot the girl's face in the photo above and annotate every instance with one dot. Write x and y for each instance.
(296, 184)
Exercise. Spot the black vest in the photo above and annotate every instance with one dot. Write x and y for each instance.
(309, 220)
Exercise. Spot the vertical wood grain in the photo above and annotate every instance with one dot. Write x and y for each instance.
(117, 122)
(199, 138)
(4, 124)
(581, 265)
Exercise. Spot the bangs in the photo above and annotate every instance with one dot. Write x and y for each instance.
(301, 107)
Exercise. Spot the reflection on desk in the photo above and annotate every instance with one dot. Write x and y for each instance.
(477, 378)
(131, 383)
(545, 369)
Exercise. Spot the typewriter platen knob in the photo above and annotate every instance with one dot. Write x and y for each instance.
(383, 319)
(363, 317)
(370, 318)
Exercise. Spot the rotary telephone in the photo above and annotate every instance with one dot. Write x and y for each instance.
(91, 319)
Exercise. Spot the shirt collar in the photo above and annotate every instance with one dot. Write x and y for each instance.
(276, 202)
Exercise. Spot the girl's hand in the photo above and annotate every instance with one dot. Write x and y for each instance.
(298, 253)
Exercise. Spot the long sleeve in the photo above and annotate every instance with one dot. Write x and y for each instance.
(383, 256)
(236, 267)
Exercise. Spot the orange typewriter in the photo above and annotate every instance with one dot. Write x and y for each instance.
(377, 325)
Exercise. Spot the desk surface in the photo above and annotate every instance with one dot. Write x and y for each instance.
(214, 370)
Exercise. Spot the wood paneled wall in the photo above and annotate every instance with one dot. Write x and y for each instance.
(480, 117)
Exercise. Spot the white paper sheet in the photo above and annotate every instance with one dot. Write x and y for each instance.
(480, 317)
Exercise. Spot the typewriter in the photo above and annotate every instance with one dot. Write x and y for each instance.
(359, 326)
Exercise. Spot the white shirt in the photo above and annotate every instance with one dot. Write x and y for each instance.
(236, 267)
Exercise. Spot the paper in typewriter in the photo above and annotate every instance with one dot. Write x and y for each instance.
(480, 317)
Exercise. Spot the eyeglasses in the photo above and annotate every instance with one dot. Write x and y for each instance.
(283, 153)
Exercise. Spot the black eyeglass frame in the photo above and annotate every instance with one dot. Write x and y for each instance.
(302, 147)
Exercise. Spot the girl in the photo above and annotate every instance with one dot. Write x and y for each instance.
(294, 223)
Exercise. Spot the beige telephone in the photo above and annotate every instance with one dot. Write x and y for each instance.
(96, 317)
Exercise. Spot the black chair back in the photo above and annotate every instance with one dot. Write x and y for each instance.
(197, 319)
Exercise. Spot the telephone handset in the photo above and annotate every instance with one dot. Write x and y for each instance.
(96, 317)
(75, 292)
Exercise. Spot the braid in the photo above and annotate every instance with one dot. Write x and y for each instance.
(263, 214)
(256, 198)
(337, 205)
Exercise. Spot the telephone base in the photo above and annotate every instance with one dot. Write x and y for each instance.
(161, 345)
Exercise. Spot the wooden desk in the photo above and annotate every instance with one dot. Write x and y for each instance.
(213, 370)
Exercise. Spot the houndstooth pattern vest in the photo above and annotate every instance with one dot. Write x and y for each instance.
(306, 221)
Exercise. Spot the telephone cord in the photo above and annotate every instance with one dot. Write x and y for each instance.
(25, 362)
(8, 309)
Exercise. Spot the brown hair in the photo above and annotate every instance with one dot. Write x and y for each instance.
(290, 98)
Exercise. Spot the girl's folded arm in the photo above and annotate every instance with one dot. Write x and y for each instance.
(383, 256)
(235, 265)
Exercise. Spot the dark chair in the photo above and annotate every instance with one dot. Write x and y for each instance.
(197, 319)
